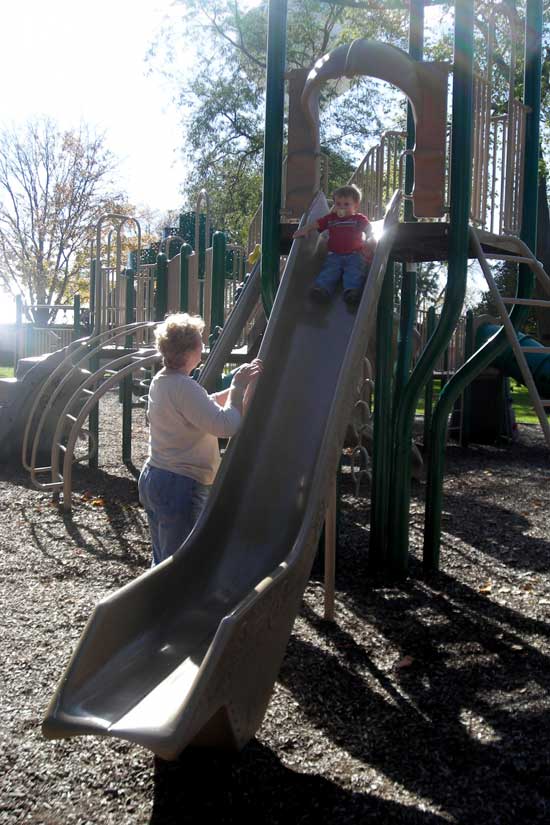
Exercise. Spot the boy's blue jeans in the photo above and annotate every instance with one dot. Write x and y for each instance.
(173, 504)
(351, 268)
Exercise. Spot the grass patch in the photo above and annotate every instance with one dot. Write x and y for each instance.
(523, 408)
(6, 372)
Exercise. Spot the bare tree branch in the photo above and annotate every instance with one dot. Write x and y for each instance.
(53, 186)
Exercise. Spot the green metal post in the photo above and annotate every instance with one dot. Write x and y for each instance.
(161, 297)
(92, 292)
(531, 98)
(445, 371)
(456, 284)
(416, 51)
(469, 347)
(273, 150)
(408, 284)
(93, 424)
(381, 457)
(18, 330)
(93, 418)
(406, 325)
(128, 381)
(76, 317)
(218, 280)
(429, 391)
(486, 354)
(185, 252)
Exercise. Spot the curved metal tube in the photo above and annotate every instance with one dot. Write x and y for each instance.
(61, 370)
(425, 85)
(84, 412)
(99, 275)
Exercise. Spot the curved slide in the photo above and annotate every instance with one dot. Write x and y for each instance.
(188, 653)
(539, 364)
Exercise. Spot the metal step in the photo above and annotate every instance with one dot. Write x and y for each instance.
(527, 302)
(501, 256)
(519, 351)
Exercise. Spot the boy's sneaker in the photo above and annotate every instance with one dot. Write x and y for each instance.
(352, 297)
(319, 295)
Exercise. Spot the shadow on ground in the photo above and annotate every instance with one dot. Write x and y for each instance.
(255, 786)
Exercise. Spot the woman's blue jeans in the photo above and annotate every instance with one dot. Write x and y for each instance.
(173, 504)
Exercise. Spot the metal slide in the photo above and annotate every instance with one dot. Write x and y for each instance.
(188, 653)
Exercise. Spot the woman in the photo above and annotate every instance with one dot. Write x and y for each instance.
(184, 426)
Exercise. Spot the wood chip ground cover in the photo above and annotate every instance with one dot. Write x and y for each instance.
(424, 703)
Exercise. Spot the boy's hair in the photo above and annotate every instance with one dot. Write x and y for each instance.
(177, 336)
(351, 191)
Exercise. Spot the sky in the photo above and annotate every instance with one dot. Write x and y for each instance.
(77, 61)
(85, 61)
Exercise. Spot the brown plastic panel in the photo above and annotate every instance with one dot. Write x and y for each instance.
(425, 85)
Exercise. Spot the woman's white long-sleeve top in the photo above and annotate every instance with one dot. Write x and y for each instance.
(185, 424)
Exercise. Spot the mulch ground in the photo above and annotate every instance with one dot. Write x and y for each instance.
(423, 703)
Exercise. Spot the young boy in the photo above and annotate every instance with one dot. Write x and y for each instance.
(348, 254)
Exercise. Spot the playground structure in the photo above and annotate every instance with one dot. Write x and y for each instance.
(201, 669)
(44, 408)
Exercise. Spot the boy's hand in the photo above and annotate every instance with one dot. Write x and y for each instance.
(305, 230)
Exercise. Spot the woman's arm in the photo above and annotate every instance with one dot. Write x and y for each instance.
(205, 412)
(220, 397)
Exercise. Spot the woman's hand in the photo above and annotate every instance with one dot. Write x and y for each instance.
(247, 373)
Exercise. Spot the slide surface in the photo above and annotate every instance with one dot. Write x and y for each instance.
(188, 653)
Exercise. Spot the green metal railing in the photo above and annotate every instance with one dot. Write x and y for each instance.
(273, 150)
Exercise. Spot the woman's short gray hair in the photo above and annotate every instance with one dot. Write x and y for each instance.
(177, 336)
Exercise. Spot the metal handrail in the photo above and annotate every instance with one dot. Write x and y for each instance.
(91, 380)
(81, 417)
(61, 370)
(98, 308)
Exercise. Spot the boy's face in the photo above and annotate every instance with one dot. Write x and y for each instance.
(344, 205)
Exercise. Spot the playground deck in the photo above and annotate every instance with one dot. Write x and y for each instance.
(424, 703)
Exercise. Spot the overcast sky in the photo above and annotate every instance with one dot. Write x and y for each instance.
(84, 60)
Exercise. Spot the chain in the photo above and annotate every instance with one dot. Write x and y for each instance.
(361, 425)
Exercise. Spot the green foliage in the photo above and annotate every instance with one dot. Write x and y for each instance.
(221, 94)
(340, 167)
(505, 276)
(428, 288)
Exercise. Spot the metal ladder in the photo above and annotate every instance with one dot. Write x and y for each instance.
(523, 256)
(70, 425)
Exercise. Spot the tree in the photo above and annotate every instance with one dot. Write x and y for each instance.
(221, 92)
(54, 185)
